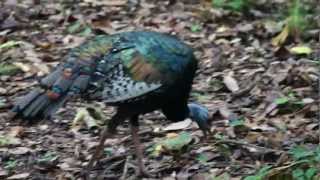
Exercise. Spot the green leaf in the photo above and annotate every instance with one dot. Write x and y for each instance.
(178, 142)
(237, 5)
(237, 122)
(74, 28)
(282, 100)
(202, 158)
(195, 28)
(301, 50)
(48, 156)
(300, 152)
(317, 154)
(297, 173)
(260, 174)
(252, 178)
(219, 136)
(8, 69)
(108, 151)
(86, 32)
(218, 3)
(11, 164)
(8, 140)
(234, 5)
(311, 172)
(10, 44)
(297, 19)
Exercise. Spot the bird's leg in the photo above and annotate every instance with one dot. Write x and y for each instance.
(107, 132)
(134, 125)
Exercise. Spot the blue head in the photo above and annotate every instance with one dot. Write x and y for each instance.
(200, 115)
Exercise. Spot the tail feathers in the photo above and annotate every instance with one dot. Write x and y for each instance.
(30, 106)
(66, 81)
(42, 103)
(37, 104)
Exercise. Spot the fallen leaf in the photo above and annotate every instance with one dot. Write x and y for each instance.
(107, 2)
(272, 27)
(282, 37)
(231, 83)
(307, 100)
(172, 142)
(8, 140)
(8, 69)
(178, 125)
(24, 67)
(19, 176)
(83, 116)
(19, 150)
(16, 131)
(3, 173)
(301, 50)
(10, 44)
(176, 143)
(171, 135)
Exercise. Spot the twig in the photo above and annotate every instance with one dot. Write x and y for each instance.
(125, 169)
(128, 137)
(113, 158)
(250, 145)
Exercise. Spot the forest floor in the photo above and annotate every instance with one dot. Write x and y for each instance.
(263, 98)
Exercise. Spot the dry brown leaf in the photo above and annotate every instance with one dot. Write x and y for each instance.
(282, 37)
(16, 131)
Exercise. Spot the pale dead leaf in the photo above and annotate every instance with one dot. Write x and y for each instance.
(19, 176)
(83, 116)
(178, 125)
(42, 69)
(107, 2)
(3, 173)
(19, 150)
(171, 135)
(231, 83)
(24, 67)
(31, 55)
(307, 100)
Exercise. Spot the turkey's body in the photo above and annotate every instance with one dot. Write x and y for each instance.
(138, 71)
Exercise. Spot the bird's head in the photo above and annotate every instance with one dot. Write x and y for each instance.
(200, 115)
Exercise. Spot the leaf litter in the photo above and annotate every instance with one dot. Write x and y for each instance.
(259, 86)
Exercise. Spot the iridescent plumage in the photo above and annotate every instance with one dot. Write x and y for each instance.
(138, 72)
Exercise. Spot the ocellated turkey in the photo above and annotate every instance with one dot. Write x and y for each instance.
(138, 72)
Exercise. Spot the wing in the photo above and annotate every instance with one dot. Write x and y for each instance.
(132, 81)
(143, 63)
